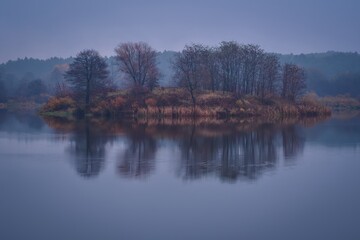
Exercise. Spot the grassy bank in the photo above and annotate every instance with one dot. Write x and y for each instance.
(177, 103)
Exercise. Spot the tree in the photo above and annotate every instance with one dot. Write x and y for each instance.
(269, 75)
(22, 88)
(88, 77)
(252, 59)
(35, 88)
(3, 92)
(293, 82)
(190, 70)
(229, 55)
(138, 62)
(56, 77)
(210, 62)
(11, 83)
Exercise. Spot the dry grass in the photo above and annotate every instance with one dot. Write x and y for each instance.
(177, 103)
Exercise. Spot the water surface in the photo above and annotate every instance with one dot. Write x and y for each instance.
(93, 179)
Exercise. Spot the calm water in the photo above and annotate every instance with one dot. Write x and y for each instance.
(111, 180)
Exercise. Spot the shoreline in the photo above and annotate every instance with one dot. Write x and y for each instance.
(175, 103)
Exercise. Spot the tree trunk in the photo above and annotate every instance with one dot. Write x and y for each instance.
(193, 101)
(87, 100)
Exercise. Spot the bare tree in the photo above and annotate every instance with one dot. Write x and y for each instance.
(56, 77)
(62, 90)
(210, 61)
(88, 76)
(269, 75)
(189, 69)
(138, 62)
(293, 82)
(229, 66)
(254, 60)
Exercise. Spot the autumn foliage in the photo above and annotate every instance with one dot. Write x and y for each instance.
(59, 104)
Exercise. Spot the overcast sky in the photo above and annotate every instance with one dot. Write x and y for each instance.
(46, 28)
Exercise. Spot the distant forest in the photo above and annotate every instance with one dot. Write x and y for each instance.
(330, 73)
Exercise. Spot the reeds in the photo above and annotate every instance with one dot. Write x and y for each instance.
(176, 103)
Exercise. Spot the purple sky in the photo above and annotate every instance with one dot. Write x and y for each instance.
(46, 28)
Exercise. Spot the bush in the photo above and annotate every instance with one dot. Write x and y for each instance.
(311, 99)
(59, 104)
(150, 102)
(117, 103)
(108, 107)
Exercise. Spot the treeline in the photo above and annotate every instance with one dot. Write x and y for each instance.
(236, 68)
(230, 67)
(24, 84)
(17, 75)
(330, 73)
(27, 88)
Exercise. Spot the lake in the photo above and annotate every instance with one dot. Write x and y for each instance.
(251, 179)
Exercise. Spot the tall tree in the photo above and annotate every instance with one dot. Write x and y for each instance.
(210, 62)
(190, 70)
(269, 75)
(88, 76)
(293, 82)
(230, 66)
(252, 57)
(138, 62)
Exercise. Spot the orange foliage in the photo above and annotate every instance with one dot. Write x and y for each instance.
(117, 103)
(150, 102)
(58, 104)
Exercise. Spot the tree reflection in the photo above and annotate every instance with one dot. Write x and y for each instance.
(258, 150)
(229, 151)
(138, 159)
(87, 143)
(292, 141)
(229, 156)
(88, 149)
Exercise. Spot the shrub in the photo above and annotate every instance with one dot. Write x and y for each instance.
(311, 99)
(117, 103)
(100, 108)
(58, 104)
(150, 102)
